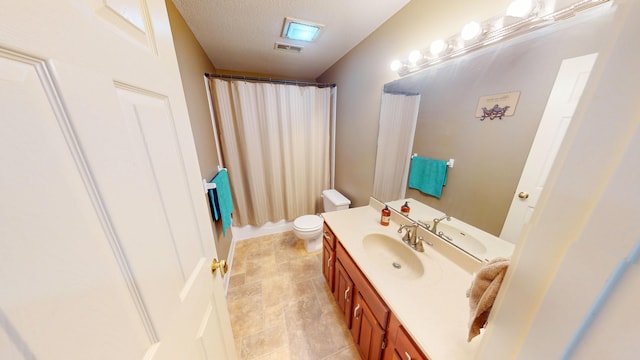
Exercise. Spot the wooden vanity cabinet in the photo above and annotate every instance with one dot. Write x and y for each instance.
(377, 333)
(367, 332)
(368, 315)
(399, 345)
(328, 256)
(344, 292)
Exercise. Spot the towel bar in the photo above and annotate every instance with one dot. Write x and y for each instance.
(207, 185)
(449, 163)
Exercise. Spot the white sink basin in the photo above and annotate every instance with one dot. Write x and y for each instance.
(393, 256)
(461, 239)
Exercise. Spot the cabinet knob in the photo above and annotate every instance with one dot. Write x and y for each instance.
(326, 235)
(523, 195)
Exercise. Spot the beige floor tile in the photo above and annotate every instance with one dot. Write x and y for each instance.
(237, 280)
(280, 306)
(279, 354)
(264, 342)
(348, 353)
(243, 291)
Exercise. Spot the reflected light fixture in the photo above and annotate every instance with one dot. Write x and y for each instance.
(520, 8)
(414, 56)
(471, 31)
(301, 30)
(522, 17)
(396, 65)
(437, 47)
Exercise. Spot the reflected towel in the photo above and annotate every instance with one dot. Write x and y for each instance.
(428, 175)
(482, 293)
(220, 199)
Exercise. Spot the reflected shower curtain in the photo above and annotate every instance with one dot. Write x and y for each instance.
(398, 116)
(275, 143)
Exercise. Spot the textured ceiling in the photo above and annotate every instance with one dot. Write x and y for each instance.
(240, 35)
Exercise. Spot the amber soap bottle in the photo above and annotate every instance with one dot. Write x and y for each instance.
(405, 209)
(385, 216)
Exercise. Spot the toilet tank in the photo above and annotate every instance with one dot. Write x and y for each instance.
(334, 201)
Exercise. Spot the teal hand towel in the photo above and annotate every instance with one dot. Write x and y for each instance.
(221, 201)
(428, 175)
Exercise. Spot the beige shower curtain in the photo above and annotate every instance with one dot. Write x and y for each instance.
(398, 116)
(275, 143)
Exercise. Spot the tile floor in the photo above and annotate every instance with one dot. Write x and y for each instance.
(280, 306)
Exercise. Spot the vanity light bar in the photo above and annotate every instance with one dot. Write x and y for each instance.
(489, 32)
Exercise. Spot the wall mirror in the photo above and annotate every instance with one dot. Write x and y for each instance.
(491, 154)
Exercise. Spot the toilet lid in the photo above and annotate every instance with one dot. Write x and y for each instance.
(307, 222)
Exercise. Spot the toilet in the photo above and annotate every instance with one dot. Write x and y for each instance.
(309, 227)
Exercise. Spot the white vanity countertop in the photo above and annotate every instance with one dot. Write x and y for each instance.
(434, 308)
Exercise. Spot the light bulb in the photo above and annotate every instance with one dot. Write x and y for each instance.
(520, 8)
(396, 65)
(414, 56)
(437, 47)
(470, 31)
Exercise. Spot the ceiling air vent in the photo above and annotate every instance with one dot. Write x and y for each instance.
(288, 47)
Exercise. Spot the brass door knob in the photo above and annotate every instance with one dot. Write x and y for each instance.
(523, 195)
(222, 265)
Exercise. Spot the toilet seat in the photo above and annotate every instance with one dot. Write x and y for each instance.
(308, 223)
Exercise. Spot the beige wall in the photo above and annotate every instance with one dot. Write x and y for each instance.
(193, 63)
(361, 74)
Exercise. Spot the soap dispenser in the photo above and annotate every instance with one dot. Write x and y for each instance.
(404, 209)
(385, 217)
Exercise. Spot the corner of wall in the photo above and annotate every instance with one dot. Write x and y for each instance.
(193, 63)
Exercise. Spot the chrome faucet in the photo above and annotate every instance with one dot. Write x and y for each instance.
(436, 221)
(411, 236)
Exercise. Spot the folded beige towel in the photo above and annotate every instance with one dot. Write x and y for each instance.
(482, 293)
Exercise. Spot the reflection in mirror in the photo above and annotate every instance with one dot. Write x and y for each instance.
(491, 154)
(475, 242)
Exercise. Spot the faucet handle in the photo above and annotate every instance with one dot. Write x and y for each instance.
(407, 235)
(419, 247)
(445, 217)
(426, 225)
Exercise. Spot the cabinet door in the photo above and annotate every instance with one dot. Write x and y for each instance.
(344, 292)
(328, 236)
(328, 265)
(405, 348)
(367, 333)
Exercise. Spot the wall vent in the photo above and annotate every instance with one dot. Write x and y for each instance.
(288, 47)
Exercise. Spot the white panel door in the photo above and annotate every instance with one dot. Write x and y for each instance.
(565, 95)
(105, 244)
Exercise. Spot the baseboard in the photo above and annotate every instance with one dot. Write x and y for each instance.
(249, 231)
(227, 276)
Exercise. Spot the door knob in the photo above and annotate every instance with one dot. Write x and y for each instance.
(523, 195)
(222, 265)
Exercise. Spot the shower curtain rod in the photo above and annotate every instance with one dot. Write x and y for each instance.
(274, 81)
(398, 92)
